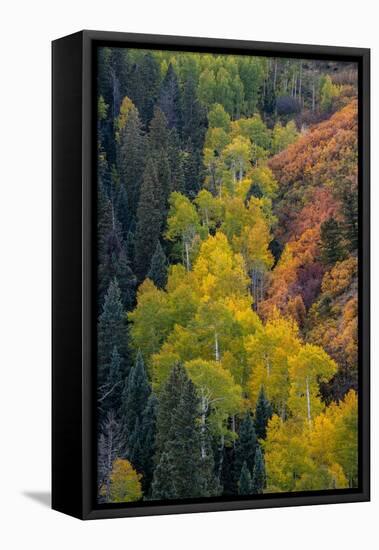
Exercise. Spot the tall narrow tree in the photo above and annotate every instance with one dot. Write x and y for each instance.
(158, 267)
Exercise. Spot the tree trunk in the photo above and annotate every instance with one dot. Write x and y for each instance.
(186, 247)
(217, 349)
(308, 401)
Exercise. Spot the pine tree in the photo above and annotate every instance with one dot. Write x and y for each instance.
(158, 267)
(244, 483)
(331, 246)
(259, 473)
(134, 399)
(132, 160)
(170, 100)
(245, 446)
(112, 332)
(149, 218)
(195, 120)
(263, 412)
(129, 248)
(192, 174)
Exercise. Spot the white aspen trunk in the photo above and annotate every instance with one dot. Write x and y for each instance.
(187, 256)
(217, 349)
(313, 96)
(203, 413)
(308, 401)
(300, 80)
(109, 464)
(267, 366)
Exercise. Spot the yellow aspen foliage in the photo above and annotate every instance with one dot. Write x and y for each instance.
(125, 482)
(268, 352)
(310, 366)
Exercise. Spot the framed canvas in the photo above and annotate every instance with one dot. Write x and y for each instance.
(210, 275)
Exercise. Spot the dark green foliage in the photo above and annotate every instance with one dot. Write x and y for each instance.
(147, 441)
(244, 483)
(158, 268)
(170, 101)
(162, 487)
(195, 120)
(129, 248)
(160, 148)
(245, 446)
(134, 399)
(183, 445)
(132, 160)
(350, 212)
(122, 210)
(142, 84)
(227, 472)
(263, 412)
(176, 160)
(149, 219)
(111, 333)
(259, 473)
(168, 401)
(192, 170)
(109, 246)
(126, 280)
(331, 245)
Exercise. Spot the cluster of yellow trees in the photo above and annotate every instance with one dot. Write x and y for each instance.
(206, 319)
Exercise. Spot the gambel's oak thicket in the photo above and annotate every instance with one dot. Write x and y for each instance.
(227, 219)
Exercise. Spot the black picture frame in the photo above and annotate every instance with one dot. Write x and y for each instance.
(73, 253)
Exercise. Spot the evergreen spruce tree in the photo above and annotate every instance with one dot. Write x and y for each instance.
(168, 401)
(134, 399)
(142, 85)
(109, 394)
(192, 170)
(331, 246)
(159, 150)
(263, 412)
(350, 212)
(132, 160)
(149, 218)
(227, 472)
(122, 210)
(183, 445)
(109, 247)
(129, 248)
(245, 446)
(158, 267)
(244, 483)
(195, 120)
(147, 441)
(259, 473)
(127, 280)
(176, 160)
(112, 332)
(162, 487)
(170, 101)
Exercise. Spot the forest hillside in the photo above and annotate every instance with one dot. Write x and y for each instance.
(227, 275)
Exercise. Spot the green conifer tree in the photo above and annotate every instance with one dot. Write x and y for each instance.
(263, 412)
(259, 473)
(245, 446)
(331, 245)
(158, 267)
(112, 332)
(149, 218)
(134, 398)
(170, 101)
(244, 483)
(162, 487)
